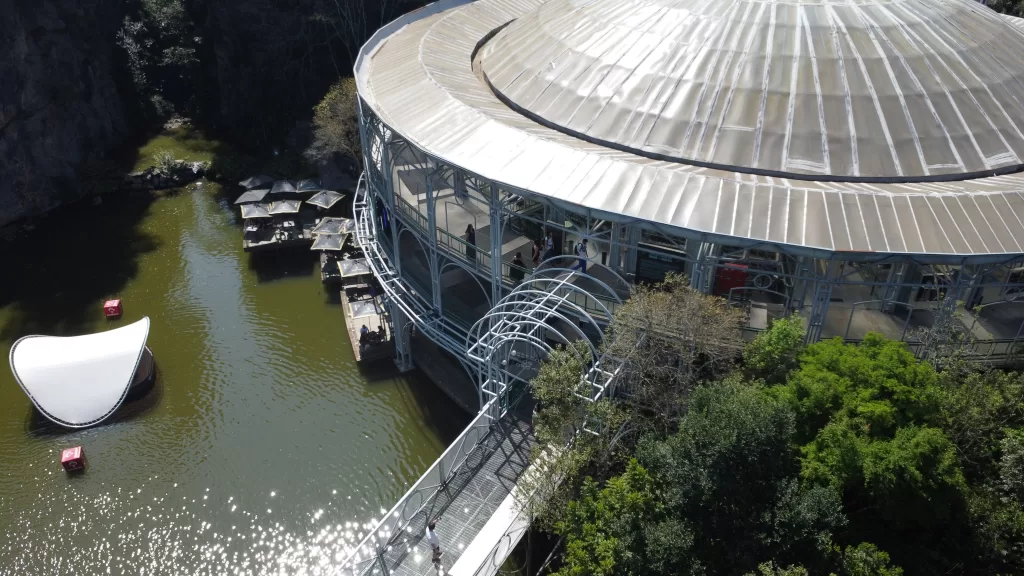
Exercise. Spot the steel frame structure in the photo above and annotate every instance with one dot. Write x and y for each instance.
(836, 293)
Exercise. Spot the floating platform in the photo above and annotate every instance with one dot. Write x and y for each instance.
(364, 307)
(80, 381)
(269, 241)
(330, 275)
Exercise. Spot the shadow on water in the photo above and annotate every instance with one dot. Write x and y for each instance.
(277, 264)
(55, 273)
(440, 413)
(38, 426)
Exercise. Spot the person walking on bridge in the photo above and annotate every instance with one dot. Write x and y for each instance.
(434, 541)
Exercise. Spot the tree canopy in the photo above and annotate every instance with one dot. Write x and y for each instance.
(782, 458)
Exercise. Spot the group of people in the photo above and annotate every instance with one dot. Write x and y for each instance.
(368, 337)
(544, 251)
(540, 251)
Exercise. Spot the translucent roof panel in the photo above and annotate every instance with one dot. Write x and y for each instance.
(902, 90)
(423, 77)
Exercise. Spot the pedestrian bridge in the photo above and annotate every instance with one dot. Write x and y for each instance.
(473, 490)
(469, 489)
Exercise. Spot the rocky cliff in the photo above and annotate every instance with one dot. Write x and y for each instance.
(60, 104)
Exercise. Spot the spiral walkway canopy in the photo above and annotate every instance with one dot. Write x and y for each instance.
(79, 381)
(853, 126)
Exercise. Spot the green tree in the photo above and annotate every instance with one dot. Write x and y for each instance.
(161, 41)
(569, 453)
(865, 559)
(668, 338)
(877, 384)
(336, 123)
(730, 473)
(771, 569)
(606, 528)
(978, 408)
(868, 418)
(775, 352)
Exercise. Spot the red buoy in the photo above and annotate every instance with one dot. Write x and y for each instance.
(73, 459)
(112, 308)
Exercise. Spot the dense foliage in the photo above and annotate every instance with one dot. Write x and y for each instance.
(250, 70)
(336, 123)
(827, 458)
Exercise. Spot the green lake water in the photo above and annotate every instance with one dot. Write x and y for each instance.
(262, 449)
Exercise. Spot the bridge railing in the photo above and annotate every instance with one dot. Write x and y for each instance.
(371, 553)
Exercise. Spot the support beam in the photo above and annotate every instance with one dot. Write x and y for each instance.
(821, 299)
(632, 241)
(892, 293)
(400, 333)
(494, 213)
(615, 248)
(435, 265)
(704, 255)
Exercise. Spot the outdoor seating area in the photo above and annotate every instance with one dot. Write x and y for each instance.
(282, 213)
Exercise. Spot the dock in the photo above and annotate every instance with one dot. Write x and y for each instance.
(280, 233)
(259, 242)
(363, 306)
(329, 273)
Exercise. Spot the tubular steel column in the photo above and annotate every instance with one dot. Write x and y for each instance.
(819, 303)
(435, 267)
(388, 195)
(496, 241)
(632, 240)
(703, 254)
(890, 296)
(400, 327)
(615, 249)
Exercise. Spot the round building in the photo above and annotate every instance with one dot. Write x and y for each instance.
(856, 163)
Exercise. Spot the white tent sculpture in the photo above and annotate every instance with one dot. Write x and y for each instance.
(79, 381)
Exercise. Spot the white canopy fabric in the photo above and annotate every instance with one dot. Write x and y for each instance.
(325, 199)
(284, 207)
(79, 381)
(335, 226)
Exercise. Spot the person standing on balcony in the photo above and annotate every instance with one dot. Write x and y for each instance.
(537, 250)
(581, 255)
(470, 244)
(549, 246)
(517, 271)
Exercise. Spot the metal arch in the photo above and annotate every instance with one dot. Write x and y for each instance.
(455, 264)
(518, 319)
(541, 268)
(538, 305)
(415, 236)
(527, 309)
(397, 294)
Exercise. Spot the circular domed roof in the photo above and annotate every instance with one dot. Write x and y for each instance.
(859, 89)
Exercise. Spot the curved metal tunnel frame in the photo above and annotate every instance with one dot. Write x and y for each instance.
(544, 308)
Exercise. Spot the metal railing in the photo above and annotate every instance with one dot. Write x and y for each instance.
(397, 524)
(406, 299)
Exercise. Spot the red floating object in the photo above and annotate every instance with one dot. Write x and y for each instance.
(112, 308)
(73, 459)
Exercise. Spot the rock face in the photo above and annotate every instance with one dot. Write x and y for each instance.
(60, 104)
